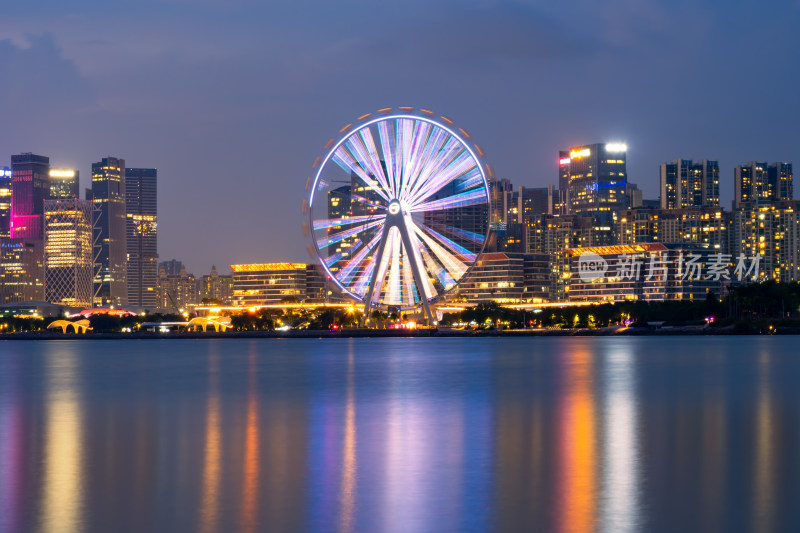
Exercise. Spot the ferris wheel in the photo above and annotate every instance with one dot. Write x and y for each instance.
(398, 208)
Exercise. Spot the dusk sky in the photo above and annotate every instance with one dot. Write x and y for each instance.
(232, 100)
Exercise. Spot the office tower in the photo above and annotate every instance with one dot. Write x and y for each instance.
(561, 201)
(30, 187)
(68, 252)
(762, 183)
(64, 183)
(141, 235)
(684, 183)
(110, 248)
(598, 182)
(5, 201)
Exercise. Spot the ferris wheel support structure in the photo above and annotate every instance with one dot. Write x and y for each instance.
(396, 218)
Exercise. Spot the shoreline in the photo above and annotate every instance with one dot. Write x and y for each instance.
(389, 333)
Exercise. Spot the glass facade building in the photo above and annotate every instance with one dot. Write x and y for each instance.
(141, 211)
(30, 187)
(110, 248)
(68, 252)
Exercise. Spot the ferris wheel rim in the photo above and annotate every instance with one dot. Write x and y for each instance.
(351, 130)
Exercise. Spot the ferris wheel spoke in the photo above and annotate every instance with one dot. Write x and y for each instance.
(333, 239)
(461, 165)
(388, 149)
(477, 238)
(426, 291)
(436, 269)
(464, 199)
(334, 222)
(442, 152)
(455, 264)
(433, 142)
(369, 153)
(405, 132)
(347, 272)
(408, 281)
(348, 163)
(416, 156)
(393, 290)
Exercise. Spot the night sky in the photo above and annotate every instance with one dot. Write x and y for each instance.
(232, 100)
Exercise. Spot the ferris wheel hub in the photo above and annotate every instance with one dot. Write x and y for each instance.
(395, 207)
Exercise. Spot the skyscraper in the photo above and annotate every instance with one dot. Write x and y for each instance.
(30, 187)
(142, 235)
(762, 183)
(685, 183)
(598, 181)
(110, 250)
(64, 183)
(68, 251)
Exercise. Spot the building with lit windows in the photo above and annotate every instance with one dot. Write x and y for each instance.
(5, 201)
(598, 179)
(644, 271)
(707, 226)
(274, 283)
(506, 278)
(30, 187)
(110, 242)
(762, 183)
(21, 270)
(141, 235)
(684, 183)
(773, 232)
(64, 183)
(215, 287)
(176, 292)
(68, 252)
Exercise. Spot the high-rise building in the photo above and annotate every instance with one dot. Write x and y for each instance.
(141, 235)
(64, 183)
(110, 248)
(30, 187)
(762, 183)
(685, 183)
(598, 181)
(5, 201)
(171, 268)
(708, 227)
(771, 231)
(68, 252)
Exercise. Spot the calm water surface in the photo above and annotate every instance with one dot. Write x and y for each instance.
(405, 435)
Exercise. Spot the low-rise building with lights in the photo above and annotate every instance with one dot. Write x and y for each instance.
(272, 283)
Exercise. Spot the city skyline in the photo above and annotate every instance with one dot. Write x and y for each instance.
(673, 81)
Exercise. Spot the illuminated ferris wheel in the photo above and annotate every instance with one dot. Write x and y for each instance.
(399, 208)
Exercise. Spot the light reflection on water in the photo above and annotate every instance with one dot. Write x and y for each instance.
(550, 434)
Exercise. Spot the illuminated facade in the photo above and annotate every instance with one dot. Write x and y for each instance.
(64, 183)
(30, 187)
(21, 270)
(553, 235)
(706, 226)
(598, 179)
(5, 201)
(762, 183)
(684, 183)
(273, 283)
(68, 252)
(110, 248)
(772, 231)
(141, 234)
(507, 278)
(654, 273)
